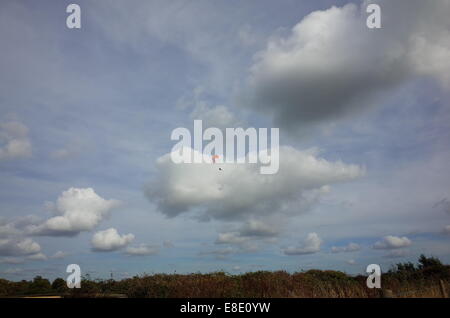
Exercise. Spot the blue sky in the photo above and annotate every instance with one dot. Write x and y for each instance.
(86, 113)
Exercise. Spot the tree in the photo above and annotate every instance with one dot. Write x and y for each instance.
(40, 286)
(427, 262)
(59, 285)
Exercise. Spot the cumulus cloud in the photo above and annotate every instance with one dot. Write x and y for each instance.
(331, 64)
(231, 238)
(239, 190)
(446, 230)
(142, 250)
(59, 255)
(14, 141)
(392, 242)
(351, 247)
(110, 240)
(18, 247)
(247, 237)
(37, 257)
(8, 229)
(77, 210)
(309, 246)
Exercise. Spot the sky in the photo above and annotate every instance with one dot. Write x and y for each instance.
(86, 117)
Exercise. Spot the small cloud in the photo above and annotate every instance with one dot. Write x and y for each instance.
(351, 262)
(351, 247)
(446, 230)
(230, 238)
(110, 240)
(142, 250)
(392, 242)
(59, 255)
(14, 142)
(71, 150)
(309, 246)
(37, 257)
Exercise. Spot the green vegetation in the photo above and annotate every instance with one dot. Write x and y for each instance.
(404, 279)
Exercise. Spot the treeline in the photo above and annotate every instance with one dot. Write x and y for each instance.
(405, 280)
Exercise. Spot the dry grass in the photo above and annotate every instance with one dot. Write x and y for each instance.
(406, 280)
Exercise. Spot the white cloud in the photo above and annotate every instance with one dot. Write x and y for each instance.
(17, 226)
(78, 210)
(231, 238)
(239, 190)
(8, 229)
(59, 255)
(446, 230)
(392, 242)
(310, 245)
(14, 142)
(351, 262)
(351, 247)
(331, 64)
(18, 247)
(110, 240)
(249, 235)
(37, 257)
(142, 250)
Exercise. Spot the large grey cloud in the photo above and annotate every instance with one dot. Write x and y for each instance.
(392, 242)
(331, 64)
